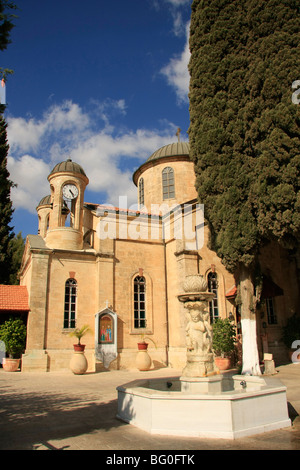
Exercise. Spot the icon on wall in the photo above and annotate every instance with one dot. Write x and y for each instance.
(106, 329)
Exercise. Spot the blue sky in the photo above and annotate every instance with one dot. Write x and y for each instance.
(104, 83)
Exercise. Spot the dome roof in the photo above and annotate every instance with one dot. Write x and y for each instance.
(171, 150)
(45, 201)
(68, 166)
(178, 149)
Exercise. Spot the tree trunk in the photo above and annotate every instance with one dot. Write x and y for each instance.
(248, 323)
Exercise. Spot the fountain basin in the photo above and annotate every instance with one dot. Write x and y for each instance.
(234, 410)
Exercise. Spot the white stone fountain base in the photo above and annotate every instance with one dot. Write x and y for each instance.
(170, 406)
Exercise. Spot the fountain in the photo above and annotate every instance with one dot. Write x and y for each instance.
(202, 402)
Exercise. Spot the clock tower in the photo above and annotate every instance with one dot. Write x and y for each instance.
(67, 183)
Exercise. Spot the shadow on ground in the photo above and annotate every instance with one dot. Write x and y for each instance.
(29, 419)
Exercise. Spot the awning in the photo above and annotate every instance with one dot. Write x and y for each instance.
(231, 293)
(269, 289)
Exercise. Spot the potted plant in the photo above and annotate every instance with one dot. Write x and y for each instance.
(79, 333)
(78, 363)
(223, 342)
(291, 333)
(142, 344)
(13, 334)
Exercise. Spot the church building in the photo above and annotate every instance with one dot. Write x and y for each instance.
(90, 260)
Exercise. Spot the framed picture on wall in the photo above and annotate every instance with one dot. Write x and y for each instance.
(106, 329)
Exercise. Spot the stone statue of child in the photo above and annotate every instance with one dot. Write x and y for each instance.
(198, 330)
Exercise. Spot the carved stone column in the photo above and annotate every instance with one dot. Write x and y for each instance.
(200, 358)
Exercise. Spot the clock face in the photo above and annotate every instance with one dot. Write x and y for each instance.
(70, 191)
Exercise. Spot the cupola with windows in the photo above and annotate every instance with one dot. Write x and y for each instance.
(167, 177)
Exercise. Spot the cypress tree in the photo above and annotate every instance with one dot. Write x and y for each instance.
(6, 210)
(245, 135)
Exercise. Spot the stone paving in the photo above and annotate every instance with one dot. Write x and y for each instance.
(62, 411)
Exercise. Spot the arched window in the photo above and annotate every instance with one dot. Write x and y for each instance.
(70, 303)
(212, 281)
(139, 302)
(168, 183)
(141, 192)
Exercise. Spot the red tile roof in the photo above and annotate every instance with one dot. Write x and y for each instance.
(13, 298)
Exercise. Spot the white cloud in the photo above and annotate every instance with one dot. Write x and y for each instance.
(67, 131)
(177, 73)
(24, 134)
(30, 175)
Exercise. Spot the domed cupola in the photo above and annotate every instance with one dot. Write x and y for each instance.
(44, 209)
(167, 177)
(68, 166)
(67, 182)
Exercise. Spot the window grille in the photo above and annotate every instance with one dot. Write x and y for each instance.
(168, 183)
(70, 303)
(271, 314)
(139, 302)
(141, 192)
(212, 281)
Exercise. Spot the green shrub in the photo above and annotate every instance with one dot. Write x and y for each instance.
(13, 334)
(224, 337)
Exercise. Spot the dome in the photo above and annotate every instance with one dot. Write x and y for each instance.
(46, 200)
(177, 149)
(68, 166)
(171, 150)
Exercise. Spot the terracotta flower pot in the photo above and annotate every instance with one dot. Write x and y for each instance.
(223, 363)
(11, 365)
(79, 347)
(78, 363)
(143, 360)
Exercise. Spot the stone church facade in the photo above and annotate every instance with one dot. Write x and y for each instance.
(89, 258)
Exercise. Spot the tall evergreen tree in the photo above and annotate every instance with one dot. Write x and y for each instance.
(245, 135)
(16, 247)
(6, 209)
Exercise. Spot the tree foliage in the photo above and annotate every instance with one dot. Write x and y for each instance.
(16, 248)
(6, 25)
(244, 131)
(6, 210)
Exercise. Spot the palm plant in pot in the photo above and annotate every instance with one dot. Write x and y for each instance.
(142, 344)
(79, 363)
(13, 334)
(223, 342)
(79, 333)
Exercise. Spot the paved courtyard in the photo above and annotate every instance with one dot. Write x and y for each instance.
(62, 411)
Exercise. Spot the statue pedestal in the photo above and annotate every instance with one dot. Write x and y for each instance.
(200, 365)
(200, 359)
(200, 385)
